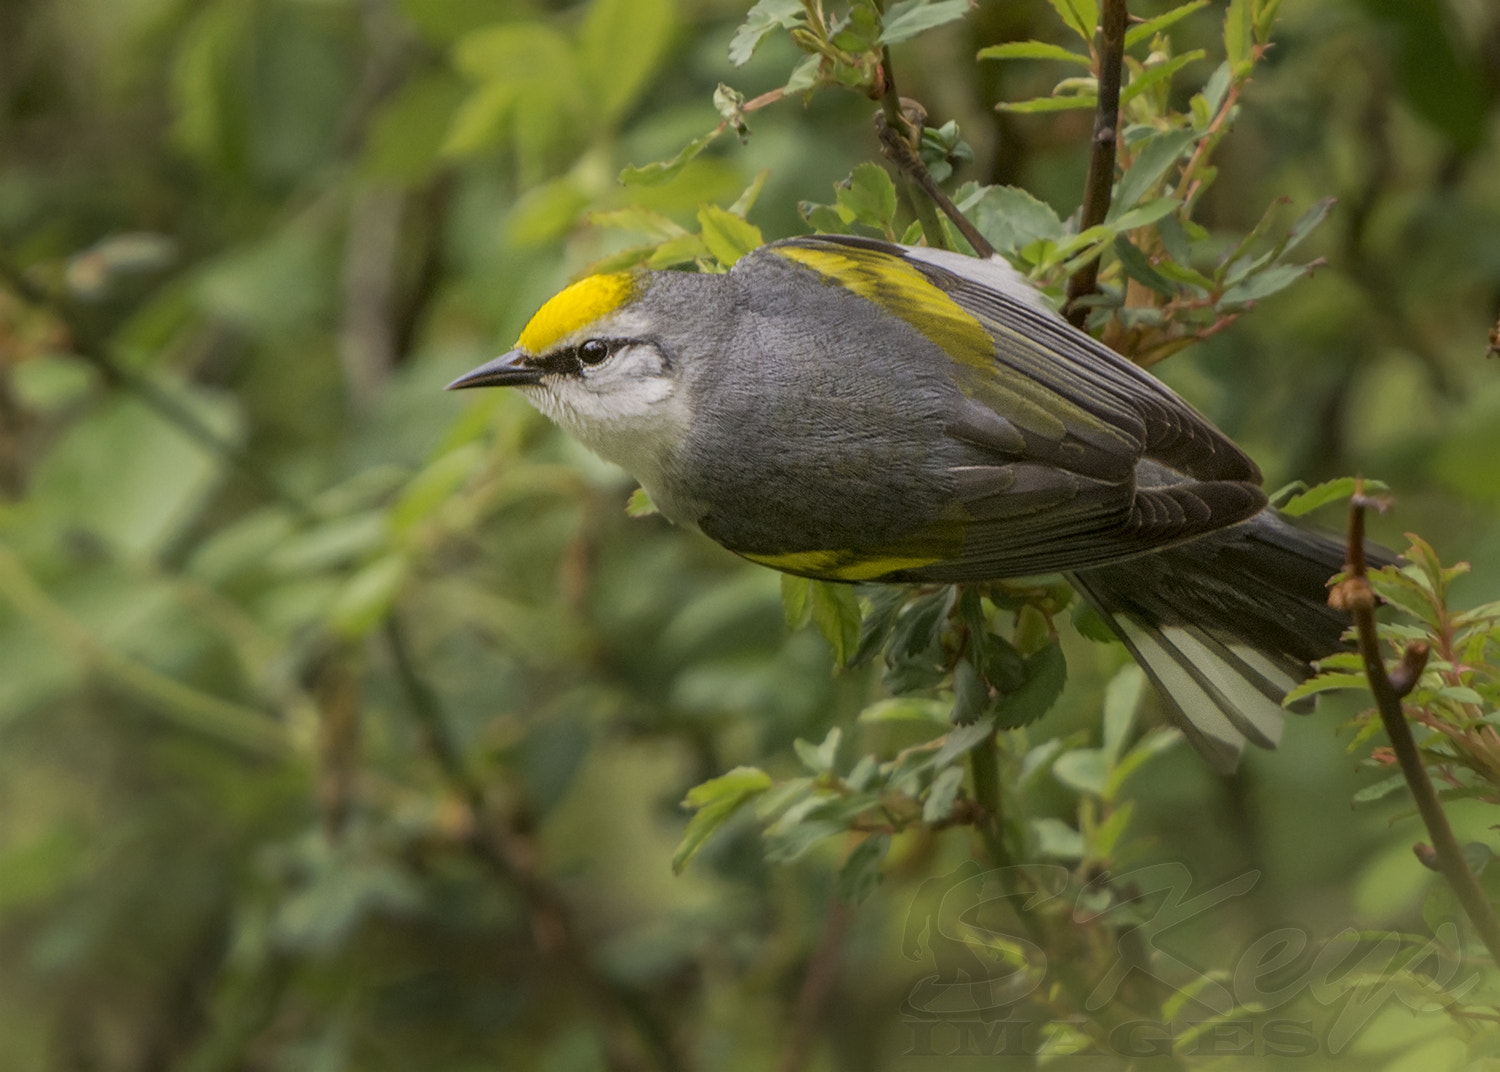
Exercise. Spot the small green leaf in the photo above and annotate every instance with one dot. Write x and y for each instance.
(970, 694)
(1325, 683)
(868, 196)
(835, 610)
(943, 795)
(1148, 167)
(715, 802)
(366, 598)
(1144, 214)
(1056, 839)
(728, 237)
(1046, 674)
(1325, 493)
(1083, 770)
(1383, 788)
(819, 758)
(683, 249)
(663, 171)
(1050, 104)
(1151, 27)
(643, 221)
(1265, 283)
(1080, 16)
(796, 600)
(764, 17)
(1138, 267)
(1238, 34)
(639, 504)
(861, 871)
(908, 18)
(964, 739)
(1035, 50)
(1157, 73)
(1122, 699)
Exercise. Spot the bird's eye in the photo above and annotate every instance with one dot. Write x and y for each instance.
(593, 351)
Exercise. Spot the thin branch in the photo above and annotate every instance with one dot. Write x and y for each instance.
(817, 984)
(505, 846)
(1101, 174)
(93, 350)
(1357, 597)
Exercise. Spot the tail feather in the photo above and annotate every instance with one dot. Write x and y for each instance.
(1226, 625)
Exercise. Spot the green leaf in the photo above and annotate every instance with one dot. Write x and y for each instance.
(662, 171)
(366, 598)
(1035, 50)
(1057, 839)
(1264, 283)
(642, 221)
(1148, 167)
(1145, 31)
(1138, 267)
(1143, 215)
(715, 802)
(728, 237)
(1327, 492)
(970, 694)
(963, 740)
(1046, 673)
(938, 806)
(1050, 104)
(835, 611)
(1383, 788)
(908, 18)
(1325, 683)
(1238, 35)
(764, 17)
(861, 871)
(639, 504)
(1080, 16)
(868, 196)
(819, 758)
(683, 249)
(1122, 699)
(1157, 73)
(1011, 218)
(622, 42)
(796, 600)
(1083, 770)
(907, 709)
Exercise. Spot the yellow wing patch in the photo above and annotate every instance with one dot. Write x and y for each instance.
(576, 306)
(902, 290)
(840, 565)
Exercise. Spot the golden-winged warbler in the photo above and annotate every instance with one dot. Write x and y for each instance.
(852, 410)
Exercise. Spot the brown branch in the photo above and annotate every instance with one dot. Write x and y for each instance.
(1101, 174)
(817, 984)
(1357, 597)
(632, 1042)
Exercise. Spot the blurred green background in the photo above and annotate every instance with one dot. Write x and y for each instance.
(344, 723)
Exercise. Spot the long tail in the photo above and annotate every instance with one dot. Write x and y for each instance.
(1226, 625)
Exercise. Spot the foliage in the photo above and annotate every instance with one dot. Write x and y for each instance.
(346, 724)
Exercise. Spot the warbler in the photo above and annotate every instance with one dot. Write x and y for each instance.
(847, 409)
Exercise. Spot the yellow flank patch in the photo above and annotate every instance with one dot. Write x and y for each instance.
(839, 565)
(903, 291)
(575, 307)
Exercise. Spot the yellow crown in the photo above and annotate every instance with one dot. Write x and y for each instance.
(578, 305)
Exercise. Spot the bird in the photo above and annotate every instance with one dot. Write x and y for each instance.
(848, 409)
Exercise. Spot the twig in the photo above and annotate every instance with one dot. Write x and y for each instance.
(508, 849)
(817, 984)
(93, 350)
(1101, 174)
(1357, 597)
